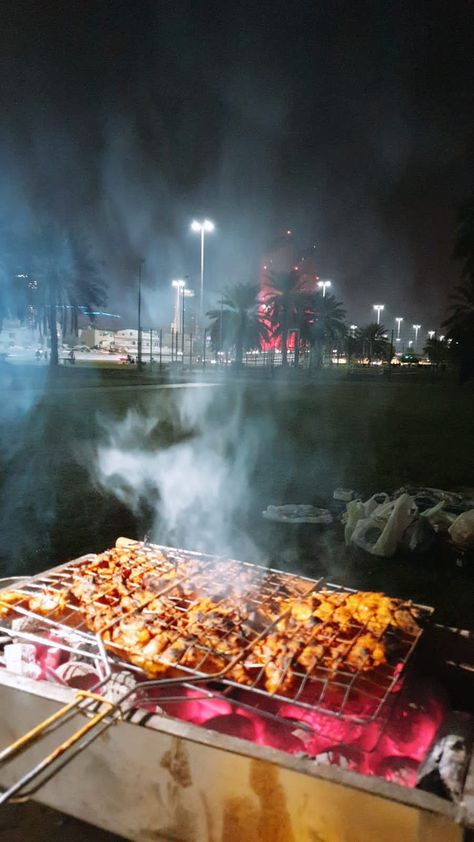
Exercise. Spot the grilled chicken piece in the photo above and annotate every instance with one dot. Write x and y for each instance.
(49, 602)
(131, 632)
(164, 611)
(8, 599)
(406, 621)
(366, 653)
(279, 677)
(311, 655)
(239, 674)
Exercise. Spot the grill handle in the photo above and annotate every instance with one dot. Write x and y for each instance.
(40, 730)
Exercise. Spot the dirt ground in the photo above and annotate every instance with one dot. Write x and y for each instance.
(32, 822)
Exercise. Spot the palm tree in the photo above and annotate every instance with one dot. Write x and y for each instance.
(464, 245)
(13, 290)
(285, 303)
(436, 350)
(459, 325)
(372, 342)
(323, 322)
(238, 324)
(67, 281)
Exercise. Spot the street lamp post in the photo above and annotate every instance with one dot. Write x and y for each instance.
(399, 320)
(379, 308)
(178, 285)
(416, 329)
(185, 293)
(139, 338)
(431, 333)
(322, 285)
(204, 227)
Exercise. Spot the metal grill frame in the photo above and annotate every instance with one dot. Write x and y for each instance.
(376, 686)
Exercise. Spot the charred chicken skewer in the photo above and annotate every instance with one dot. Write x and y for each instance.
(163, 612)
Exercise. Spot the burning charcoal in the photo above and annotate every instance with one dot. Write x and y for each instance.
(444, 767)
(398, 770)
(345, 757)
(26, 624)
(77, 674)
(21, 659)
(118, 686)
(234, 724)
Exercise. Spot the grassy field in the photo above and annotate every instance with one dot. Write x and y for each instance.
(292, 442)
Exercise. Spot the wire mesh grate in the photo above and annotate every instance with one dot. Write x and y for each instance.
(175, 613)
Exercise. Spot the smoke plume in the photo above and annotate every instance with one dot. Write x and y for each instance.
(189, 463)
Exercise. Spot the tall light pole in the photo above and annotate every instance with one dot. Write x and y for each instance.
(379, 308)
(185, 293)
(322, 285)
(139, 338)
(416, 329)
(204, 227)
(178, 285)
(399, 320)
(431, 333)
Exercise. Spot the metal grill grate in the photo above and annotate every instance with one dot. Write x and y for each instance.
(181, 581)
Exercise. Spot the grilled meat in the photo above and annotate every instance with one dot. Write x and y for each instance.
(8, 599)
(163, 611)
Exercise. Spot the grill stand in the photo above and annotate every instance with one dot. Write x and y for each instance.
(180, 781)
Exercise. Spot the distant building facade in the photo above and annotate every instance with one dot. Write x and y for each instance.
(15, 334)
(119, 341)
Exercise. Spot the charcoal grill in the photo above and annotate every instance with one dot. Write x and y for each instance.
(157, 779)
(324, 690)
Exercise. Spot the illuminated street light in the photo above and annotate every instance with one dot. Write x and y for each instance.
(204, 227)
(416, 329)
(178, 285)
(139, 337)
(353, 329)
(185, 293)
(399, 320)
(431, 333)
(322, 285)
(379, 308)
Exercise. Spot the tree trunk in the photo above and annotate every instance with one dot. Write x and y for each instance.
(284, 340)
(315, 355)
(297, 349)
(239, 352)
(53, 328)
(239, 344)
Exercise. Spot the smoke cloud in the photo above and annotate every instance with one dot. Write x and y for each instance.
(189, 462)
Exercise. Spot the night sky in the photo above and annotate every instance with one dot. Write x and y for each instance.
(349, 122)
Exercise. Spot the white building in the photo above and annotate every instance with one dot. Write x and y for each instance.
(94, 337)
(125, 340)
(15, 336)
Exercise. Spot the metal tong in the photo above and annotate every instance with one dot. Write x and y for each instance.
(84, 703)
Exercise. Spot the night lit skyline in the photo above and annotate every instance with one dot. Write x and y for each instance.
(129, 126)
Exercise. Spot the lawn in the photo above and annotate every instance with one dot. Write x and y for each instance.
(236, 447)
